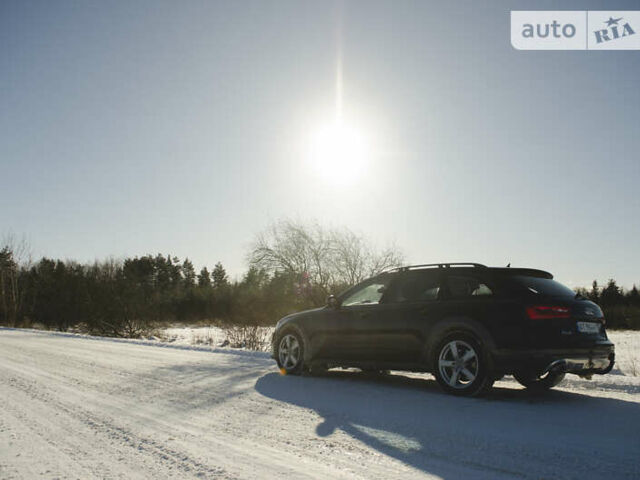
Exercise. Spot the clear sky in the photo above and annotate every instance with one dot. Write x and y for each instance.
(186, 127)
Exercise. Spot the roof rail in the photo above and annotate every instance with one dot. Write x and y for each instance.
(438, 265)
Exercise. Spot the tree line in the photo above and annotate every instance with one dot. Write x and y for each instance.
(292, 266)
(621, 307)
(126, 298)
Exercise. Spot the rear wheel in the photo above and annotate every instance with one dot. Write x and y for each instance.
(460, 365)
(290, 353)
(539, 383)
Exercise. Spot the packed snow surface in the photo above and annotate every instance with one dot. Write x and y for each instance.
(83, 407)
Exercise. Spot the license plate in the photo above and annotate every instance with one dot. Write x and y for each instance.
(588, 327)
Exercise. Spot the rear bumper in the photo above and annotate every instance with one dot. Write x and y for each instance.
(596, 359)
(582, 366)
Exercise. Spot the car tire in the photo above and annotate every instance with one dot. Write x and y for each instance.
(461, 365)
(539, 384)
(290, 352)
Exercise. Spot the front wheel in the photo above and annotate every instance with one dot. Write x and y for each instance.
(460, 365)
(290, 353)
(539, 383)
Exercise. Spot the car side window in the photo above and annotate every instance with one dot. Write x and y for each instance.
(369, 294)
(467, 286)
(418, 286)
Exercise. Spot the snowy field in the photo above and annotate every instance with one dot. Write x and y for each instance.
(83, 407)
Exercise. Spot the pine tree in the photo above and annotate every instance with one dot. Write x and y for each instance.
(163, 271)
(611, 294)
(204, 278)
(255, 278)
(8, 271)
(175, 270)
(634, 295)
(594, 295)
(188, 273)
(219, 276)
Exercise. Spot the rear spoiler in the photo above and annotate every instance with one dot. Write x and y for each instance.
(527, 272)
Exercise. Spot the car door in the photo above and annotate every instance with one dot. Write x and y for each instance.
(383, 320)
(345, 332)
(470, 294)
(408, 308)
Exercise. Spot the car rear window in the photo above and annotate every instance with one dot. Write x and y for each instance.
(543, 286)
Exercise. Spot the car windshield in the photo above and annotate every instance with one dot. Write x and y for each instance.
(544, 286)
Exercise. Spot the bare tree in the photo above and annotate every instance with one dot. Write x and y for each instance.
(355, 259)
(327, 257)
(7, 268)
(14, 254)
(293, 248)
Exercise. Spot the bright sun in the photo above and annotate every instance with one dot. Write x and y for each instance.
(339, 153)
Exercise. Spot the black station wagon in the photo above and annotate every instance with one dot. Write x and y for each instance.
(467, 324)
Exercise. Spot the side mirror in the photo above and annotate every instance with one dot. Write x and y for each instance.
(332, 302)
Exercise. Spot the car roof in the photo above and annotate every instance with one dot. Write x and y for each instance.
(476, 267)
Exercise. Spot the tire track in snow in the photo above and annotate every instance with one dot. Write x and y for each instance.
(119, 437)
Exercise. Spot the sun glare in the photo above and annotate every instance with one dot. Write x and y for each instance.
(339, 153)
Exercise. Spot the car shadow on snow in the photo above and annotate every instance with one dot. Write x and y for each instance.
(511, 432)
(198, 386)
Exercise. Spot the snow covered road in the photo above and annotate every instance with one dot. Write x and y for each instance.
(77, 407)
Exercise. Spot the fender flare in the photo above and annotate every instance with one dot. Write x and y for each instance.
(453, 324)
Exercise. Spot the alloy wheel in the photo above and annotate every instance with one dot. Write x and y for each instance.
(458, 364)
(289, 352)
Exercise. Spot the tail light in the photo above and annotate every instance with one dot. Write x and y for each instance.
(543, 312)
